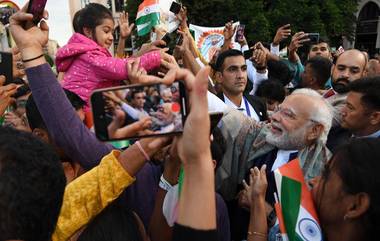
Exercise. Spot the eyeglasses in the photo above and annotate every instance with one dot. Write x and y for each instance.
(289, 114)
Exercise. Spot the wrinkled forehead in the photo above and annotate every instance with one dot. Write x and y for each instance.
(352, 59)
(298, 104)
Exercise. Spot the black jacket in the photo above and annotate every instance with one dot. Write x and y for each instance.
(258, 105)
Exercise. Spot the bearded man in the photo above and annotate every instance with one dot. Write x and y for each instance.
(299, 128)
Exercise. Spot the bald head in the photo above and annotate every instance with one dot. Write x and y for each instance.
(350, 66)
(373, 68)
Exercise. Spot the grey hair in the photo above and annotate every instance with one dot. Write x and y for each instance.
(321, 113)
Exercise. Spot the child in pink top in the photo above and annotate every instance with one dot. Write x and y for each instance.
(86, 61)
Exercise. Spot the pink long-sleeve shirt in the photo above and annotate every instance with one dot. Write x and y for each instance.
(88, 66)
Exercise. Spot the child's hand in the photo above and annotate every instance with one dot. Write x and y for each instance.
(138, 75)
(125, 28)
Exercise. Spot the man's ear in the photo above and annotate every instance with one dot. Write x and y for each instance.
(358, 207)
(315, 132)
(375, 118)
(219, 77)
(42, 134)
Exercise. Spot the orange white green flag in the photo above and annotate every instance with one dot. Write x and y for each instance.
(298, 218)
(148, 16)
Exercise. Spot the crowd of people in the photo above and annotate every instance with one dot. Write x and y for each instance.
(59, 182)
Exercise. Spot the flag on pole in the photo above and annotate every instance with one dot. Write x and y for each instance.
(148, 16)
(299, 216)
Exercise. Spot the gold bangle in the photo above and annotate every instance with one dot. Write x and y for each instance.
(257, 234)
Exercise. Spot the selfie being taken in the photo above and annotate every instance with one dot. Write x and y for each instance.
(189, 120)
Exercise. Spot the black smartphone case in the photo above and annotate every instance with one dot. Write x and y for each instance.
(6, 67)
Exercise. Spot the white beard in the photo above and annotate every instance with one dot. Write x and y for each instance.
(288, 141)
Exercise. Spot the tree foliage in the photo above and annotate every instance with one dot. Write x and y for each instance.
(331, 18)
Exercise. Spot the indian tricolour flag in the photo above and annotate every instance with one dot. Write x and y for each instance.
(298, 217)
(148, 16)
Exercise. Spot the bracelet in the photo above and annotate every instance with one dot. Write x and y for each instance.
(28, 60)
(263, 235)
(142, 151)
(165, 185)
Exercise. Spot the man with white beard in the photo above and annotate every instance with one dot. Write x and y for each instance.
(298, 129)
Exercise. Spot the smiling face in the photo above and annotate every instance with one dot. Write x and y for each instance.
(104, 33)
(291, 123)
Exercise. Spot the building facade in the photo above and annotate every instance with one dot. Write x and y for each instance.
(368, 27)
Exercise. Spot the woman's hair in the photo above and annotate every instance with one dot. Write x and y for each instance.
(357, 164)
(114, 223)
(90, 17)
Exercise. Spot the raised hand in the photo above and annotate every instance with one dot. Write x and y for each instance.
(298, 40)
(125, 27)
(229, 30)
(282, 33)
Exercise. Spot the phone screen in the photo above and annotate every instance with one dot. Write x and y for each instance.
(175, 8)
(314, 38)
(248, 54)
(36, 7)
(172, 40)
(139, 111)
(240, 33)
(6, 67)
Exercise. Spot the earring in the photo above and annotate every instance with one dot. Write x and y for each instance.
(345, 217)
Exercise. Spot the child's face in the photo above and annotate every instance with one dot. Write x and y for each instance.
(104, 33)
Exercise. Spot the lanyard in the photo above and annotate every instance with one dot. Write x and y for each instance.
(247, 107)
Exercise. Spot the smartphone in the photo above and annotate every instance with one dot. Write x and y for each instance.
(163, 109)
(240, 33)
(314, 38)
(248, 54)
(215, 117)
(175, 7)
(172, 40)
(36, 7)
(6, 66)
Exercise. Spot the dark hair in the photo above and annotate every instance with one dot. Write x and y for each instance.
(225, 54)
(357, 164)
(76, 21)
(280, 71)
(321, 39)
(114, 223)
(32, 184)
(136, 91)
(91, 16)
(271, 89)
(218, 147)
(321, 68)
(34, 116)
(370, 89)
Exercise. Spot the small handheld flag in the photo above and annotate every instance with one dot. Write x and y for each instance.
(296, 211)
(148, 16)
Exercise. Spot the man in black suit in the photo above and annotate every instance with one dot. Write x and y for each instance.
(232, 76)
